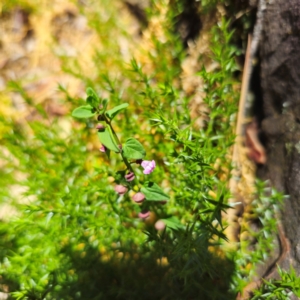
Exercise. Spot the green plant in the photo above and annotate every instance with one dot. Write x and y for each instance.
(131, 152)
(259, 244)
(76, 228)
(76, 231)
(281, 289)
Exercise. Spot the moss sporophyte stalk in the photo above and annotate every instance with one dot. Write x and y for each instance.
(131, 153)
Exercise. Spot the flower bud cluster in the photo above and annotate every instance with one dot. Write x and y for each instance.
(129, 177)
(148, 166)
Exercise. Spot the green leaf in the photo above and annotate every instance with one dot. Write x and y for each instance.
(92, 98)
(90, 92)
(173, 223)
(133, 149)
(107, 139)
(153, 192)
(91, 101)
(104, 105)
(83, 112)
(120, 177)
(48, 218)
(114, 111)
(108, 153)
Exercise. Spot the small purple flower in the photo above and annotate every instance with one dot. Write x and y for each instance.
(102, 149)
(144, 214)
(120, 189)
(129, 177)
(138, 197)
(148, 166)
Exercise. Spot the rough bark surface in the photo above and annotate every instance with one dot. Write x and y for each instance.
(280, 83)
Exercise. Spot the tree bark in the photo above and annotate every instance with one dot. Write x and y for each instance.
(279, 53)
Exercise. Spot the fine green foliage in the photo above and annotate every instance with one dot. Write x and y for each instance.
(282, 289)
(266, 208)
(264, 214)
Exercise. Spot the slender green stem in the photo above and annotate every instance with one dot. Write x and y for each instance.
(125, 160)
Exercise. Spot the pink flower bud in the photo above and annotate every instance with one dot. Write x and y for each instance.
(129, 177)
(148, 166)
(138, 197)
(144, 214)
(120, 189)
(160, 225)
(100, 126)
(102, 149)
